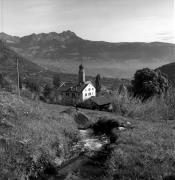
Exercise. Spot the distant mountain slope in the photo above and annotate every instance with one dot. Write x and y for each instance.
(63, 52)
(169, 69)
(8, 62)
(9, 39)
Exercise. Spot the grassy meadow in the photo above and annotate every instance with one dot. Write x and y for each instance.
(36, 137)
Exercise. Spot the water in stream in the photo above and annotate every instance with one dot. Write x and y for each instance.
(96, 145)
(92, 143)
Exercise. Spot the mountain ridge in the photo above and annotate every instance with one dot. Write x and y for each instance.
(64, 51)
(71, 32)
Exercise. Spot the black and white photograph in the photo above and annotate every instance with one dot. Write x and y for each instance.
(87, 90)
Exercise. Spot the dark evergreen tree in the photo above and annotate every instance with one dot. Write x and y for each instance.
(1, 80)
(98, 83)
(32, 84)
(56, 80)
(47, 90)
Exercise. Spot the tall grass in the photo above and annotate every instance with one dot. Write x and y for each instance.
(156, 108)
(39, 139)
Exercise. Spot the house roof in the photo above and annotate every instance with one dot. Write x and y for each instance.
(103, 100)
(69, 87)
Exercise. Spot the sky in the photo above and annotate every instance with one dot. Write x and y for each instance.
(100, 20)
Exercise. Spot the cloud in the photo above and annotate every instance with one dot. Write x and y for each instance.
(108, 20)
(167, 36)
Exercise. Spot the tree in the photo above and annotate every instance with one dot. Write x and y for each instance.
(1, 80)
(148, 83)
(98, 83)
(56, 80)
(47, 90)
(32, 84)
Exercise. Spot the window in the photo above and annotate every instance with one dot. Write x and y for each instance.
(89, 94)
(86, 94)
(89, 89)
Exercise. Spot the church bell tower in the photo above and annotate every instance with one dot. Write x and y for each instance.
(81, 74)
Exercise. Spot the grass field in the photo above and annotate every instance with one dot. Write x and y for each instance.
(34, 135)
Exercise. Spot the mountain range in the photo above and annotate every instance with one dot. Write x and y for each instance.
(63, 52)
(8, 67)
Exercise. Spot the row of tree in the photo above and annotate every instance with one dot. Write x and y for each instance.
(145, 84)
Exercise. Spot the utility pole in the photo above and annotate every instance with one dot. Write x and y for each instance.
(18, 78)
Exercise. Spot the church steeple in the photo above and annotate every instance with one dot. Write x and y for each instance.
(81, 75)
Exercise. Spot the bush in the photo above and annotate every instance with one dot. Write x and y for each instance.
(148, 83)
(56, 80)
(169, 103)
(157, 108)
(47, 90)
(104, 126)
(32, 84)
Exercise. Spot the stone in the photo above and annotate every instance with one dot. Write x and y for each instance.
(6, 123)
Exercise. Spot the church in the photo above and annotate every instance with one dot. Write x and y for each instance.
(73, 94)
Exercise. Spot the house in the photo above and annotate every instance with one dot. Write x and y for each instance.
(73, 94)
(102, 102)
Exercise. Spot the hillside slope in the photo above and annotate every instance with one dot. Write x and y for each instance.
(36, 137)
(169, 70)
(64, 52)
(8, 61)
(8, 64)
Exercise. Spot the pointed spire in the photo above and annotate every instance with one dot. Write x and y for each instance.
(81, 74)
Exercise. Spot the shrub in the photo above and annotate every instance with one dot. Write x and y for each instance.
(56, 80)
(1, 80)
(47, 90)
(148, 83)
(105, 127)
(169, 103)
(32, 84)
(156, 108)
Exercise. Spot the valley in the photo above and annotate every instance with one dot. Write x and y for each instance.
(63, 52)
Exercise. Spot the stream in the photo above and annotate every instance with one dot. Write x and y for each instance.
(91, 142)
(95, 152)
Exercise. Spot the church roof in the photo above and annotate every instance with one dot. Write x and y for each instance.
(69, 87)
(102, 100)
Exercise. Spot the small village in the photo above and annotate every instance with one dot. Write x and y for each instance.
(84, 94)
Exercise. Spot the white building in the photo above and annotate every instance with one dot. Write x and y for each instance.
(72, 94)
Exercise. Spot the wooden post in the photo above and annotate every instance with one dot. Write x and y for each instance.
(17, 67)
